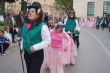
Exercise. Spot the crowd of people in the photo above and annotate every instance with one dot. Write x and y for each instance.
(99, 23)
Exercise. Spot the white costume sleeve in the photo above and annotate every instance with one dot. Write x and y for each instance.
(46, 39)
(77, 25)
(65, 20)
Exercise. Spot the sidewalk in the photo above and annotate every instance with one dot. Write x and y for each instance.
(11, 63)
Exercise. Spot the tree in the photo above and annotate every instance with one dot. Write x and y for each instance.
(10, 1)
(23, 5)
(2, 7)
(63, 4)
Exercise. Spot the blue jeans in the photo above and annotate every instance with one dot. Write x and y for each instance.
(3, 47)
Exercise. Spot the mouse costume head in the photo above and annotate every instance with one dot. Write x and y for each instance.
(71, 14)
(35, 12)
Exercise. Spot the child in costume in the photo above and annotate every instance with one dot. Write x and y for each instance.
(57, 49)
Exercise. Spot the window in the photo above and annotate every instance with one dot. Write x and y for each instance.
(106, 7)
(90, 9)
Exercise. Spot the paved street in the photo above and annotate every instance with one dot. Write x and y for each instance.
(93, 54)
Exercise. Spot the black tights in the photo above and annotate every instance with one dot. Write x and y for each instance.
(34, 61)
(3, 47)
(76, 40)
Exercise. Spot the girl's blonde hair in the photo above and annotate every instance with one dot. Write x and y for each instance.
(52, 24)
(6, 28)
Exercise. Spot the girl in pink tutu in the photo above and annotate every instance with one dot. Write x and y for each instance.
(69, 57)
(72, 50)
(56, 50)
(66, 55)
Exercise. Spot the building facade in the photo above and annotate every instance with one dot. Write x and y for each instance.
(47, 5)
(91, 8)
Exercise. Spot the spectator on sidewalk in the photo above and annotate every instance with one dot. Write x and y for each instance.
(97, 22)
(7, 34)
(19, 23)
(103, 23)
(11, 23)
(4, 43)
